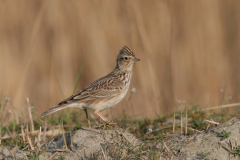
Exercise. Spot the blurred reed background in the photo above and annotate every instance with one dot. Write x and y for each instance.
(189, 51)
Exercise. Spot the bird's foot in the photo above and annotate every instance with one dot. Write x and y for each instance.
(107, 124)
(106, 121)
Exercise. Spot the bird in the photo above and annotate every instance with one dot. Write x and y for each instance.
(104, 92)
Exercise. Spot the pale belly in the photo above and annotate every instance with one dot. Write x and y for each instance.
(109, 103)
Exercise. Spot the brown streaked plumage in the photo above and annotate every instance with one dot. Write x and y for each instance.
(104, 92)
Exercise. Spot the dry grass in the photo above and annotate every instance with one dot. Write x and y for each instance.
(188, 50)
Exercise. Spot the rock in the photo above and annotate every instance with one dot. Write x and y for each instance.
(87, 143)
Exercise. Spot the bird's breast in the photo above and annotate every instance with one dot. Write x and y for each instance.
(109, 101)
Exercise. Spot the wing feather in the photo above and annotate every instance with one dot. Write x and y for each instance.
(105, 87)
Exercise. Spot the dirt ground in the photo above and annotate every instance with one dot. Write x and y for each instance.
(219, 142)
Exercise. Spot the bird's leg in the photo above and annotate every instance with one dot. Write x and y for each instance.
(89, 123)
(102, 117)
(105, 119)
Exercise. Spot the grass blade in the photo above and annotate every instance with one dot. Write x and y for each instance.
(181, 123)
(173, 122)
(79, 74)
(60, 88)
(63, 134)
(30, 115)
(186, 122)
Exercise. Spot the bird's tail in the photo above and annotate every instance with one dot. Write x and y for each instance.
(54, 109)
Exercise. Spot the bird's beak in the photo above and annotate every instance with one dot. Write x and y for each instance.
(136, 59)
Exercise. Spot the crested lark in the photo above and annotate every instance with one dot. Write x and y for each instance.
(104, 92)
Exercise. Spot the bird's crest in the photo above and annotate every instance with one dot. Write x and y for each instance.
(126, 50)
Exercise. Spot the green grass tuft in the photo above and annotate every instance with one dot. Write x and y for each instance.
(224, 134)
(77, 127)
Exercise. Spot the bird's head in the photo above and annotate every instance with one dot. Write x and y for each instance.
(126, 59)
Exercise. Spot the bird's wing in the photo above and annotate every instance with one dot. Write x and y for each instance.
(104, 87)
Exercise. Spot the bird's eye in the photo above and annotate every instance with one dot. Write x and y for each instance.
(126, 58)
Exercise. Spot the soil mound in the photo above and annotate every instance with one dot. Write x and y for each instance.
(220, 142)
(88, 143)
